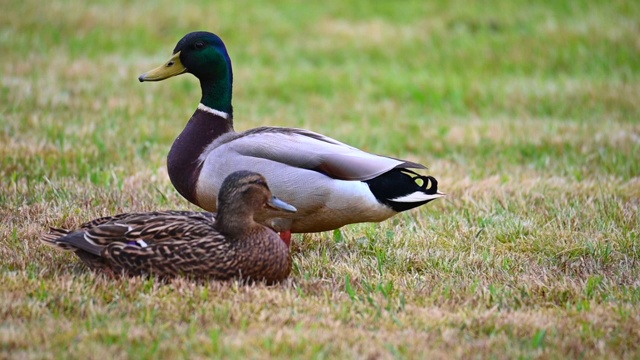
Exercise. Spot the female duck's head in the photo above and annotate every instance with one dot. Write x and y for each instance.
(244, 194)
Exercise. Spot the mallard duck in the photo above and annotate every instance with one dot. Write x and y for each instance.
(330, 183)
(172, 243)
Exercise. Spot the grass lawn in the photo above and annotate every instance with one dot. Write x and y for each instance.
(527, 112)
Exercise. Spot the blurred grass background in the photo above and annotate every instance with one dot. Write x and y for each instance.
(527, 113)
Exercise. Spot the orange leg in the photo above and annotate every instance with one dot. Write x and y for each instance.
(286, 237)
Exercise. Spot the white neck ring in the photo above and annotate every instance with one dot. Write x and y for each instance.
(215, 112)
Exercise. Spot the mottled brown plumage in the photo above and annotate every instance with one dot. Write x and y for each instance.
(177, 243)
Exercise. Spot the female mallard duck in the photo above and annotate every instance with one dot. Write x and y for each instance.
(173, 243)
(330, 183)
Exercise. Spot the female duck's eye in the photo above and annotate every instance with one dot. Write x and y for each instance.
(261, 183)
(199, 45)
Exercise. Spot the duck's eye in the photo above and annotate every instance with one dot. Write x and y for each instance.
(199, 45)
(261, 183)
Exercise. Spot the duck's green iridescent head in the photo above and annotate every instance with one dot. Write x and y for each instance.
(204, 55)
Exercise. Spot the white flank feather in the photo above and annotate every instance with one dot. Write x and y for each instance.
(417, 197)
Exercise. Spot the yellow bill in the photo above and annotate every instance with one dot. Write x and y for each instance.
(171, 68)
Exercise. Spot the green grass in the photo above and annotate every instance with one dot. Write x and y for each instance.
(526, 112)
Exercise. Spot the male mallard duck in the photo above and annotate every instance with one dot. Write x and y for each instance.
(174, 243)
(330, 183)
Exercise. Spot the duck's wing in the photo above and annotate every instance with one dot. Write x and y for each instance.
(138, 218)
(210, 256)
(309, 150)
(135, 229)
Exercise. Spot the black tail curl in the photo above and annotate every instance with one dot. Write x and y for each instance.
(429, 183)
(397, 183)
